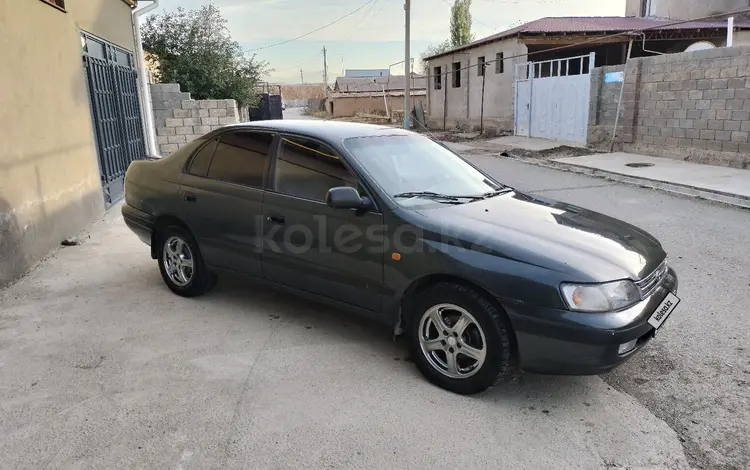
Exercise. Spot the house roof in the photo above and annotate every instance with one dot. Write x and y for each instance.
(593, 24)
(376, 94)
(372, 84)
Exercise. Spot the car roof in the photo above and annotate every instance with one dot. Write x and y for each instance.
(324, 130)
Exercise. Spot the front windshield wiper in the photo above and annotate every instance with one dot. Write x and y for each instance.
(503, 190)
(426, 194)
(450, 197)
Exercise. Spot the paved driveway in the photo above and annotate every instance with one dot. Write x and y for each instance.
(297, 113)
(102, 367)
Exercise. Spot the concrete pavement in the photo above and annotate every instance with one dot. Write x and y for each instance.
(102, 367)
(296, 113)
(724, 184)
(715, 183)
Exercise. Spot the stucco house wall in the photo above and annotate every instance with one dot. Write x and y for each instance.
(49, 176)
(464, 103)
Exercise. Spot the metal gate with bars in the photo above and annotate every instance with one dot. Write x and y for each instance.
(552, 98)
(112, 82)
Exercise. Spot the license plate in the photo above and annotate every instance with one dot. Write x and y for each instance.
(663, 310)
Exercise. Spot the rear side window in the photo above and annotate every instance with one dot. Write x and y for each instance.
(201, 160)
(241, 158)
(308, 169)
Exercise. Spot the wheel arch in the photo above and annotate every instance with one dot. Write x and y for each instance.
(162, 222)
(418, 285)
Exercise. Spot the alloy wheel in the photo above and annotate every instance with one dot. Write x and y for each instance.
(452, 341)
(178, 261)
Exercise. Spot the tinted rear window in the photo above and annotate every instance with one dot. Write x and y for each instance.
(241, 158)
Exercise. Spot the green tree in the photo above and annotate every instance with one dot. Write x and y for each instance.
(432, 50)
(194, 48)
(460, 31)
(461, 23)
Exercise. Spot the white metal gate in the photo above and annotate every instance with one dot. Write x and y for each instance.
(552, 98)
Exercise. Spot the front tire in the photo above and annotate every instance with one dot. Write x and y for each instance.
(460, 341)
(181, 264)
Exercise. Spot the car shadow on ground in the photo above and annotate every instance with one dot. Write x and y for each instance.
(540, 393)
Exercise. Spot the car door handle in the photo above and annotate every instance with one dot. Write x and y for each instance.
(276, 219)
(189, 197)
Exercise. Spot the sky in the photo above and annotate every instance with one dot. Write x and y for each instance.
(371, 38)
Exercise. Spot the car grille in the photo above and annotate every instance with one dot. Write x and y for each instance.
(651, 282)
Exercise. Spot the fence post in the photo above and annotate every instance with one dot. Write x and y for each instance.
(619, 101)
(481, 112)
(445, 100)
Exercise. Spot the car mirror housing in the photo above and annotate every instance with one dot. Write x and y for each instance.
(346, 197)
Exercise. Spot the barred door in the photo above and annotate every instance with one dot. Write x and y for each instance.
(112, 82)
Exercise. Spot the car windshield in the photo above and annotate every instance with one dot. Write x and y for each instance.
(412, 168)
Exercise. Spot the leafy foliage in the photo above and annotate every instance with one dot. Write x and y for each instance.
(460, 31)
(432, 50)
(194, 48)
(461, 23)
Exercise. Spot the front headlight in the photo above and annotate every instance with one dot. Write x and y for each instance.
(597, 298)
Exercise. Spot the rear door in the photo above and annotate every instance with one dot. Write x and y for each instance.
(310, 246)
(222, 199)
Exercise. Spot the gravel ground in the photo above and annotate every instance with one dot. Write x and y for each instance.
(696, 374)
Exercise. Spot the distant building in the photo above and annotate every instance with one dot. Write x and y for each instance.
(365, 73)
(369, 95)
(683, 9)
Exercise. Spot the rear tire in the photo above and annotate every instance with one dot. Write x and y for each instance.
(181, 264)
(460, 341)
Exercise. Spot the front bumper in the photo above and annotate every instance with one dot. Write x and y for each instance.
(552, 341)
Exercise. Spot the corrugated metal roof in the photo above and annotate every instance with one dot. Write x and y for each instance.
(394, 82)
(594, 24)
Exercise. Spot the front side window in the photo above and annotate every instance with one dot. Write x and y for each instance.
(308, 169)
(456, 74)
(403, 165)
(241, 158)
(480, 66)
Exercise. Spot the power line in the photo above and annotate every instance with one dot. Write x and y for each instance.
(364, 17)
(313, 31)
(592, 40)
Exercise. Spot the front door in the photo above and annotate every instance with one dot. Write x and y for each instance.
(222, 199)
(310, 246)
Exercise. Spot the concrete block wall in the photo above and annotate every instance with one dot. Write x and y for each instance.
(180, 119)
(694, 106)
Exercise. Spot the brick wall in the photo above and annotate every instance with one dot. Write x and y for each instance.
(180, 119)
(693, 106)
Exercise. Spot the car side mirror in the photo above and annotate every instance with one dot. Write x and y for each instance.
(345, 197)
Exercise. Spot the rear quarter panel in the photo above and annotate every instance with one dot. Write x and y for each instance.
(153, 186)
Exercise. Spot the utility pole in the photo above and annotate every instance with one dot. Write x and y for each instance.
(302, 76)
(407, 66)
(325, 71)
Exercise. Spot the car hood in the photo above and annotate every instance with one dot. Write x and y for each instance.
(586, 245)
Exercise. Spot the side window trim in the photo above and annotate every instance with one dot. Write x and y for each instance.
(269, 156)
(276, 153)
